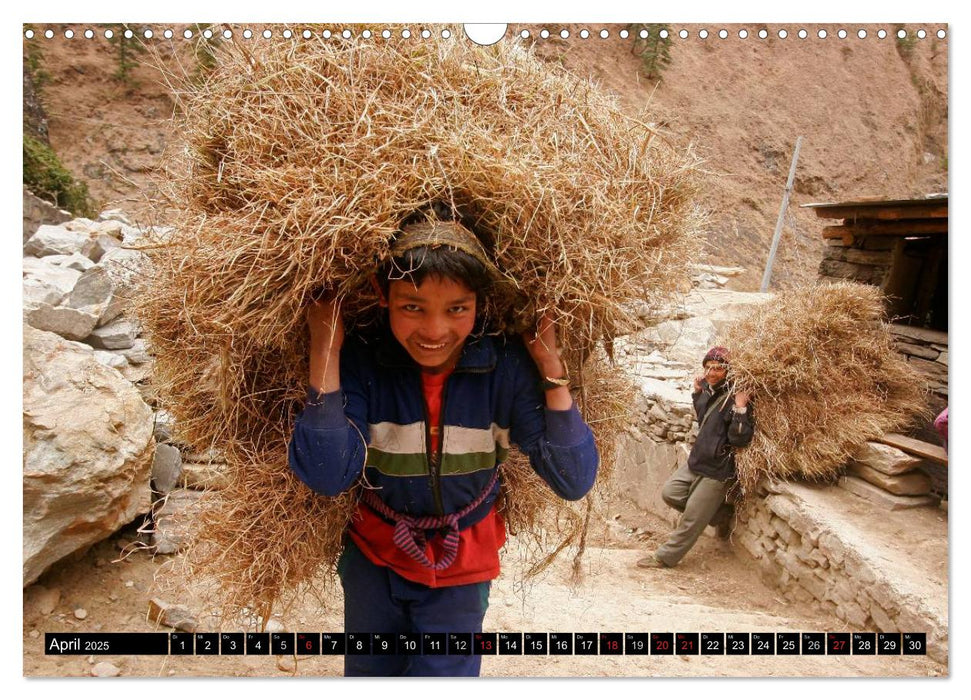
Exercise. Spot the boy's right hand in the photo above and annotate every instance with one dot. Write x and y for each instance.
(326, 338)
(697, 384)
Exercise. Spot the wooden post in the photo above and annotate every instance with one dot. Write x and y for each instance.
(778, 224)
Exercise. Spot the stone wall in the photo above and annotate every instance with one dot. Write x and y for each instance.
(869, 264)
(807, 561)
(926, 350)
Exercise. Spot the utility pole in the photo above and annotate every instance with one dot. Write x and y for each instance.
(778, 224)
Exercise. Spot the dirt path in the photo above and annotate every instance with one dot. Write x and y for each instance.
(712, 591)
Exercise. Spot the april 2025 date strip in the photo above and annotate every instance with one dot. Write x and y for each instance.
(487, 643)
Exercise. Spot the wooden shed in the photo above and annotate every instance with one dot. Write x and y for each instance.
(899, 245)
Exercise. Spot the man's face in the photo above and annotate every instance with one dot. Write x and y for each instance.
(715, 372)
(431, 321)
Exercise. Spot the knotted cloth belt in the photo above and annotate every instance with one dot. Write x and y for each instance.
(409, 531)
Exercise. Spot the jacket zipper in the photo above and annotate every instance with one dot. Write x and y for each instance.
(435, 458)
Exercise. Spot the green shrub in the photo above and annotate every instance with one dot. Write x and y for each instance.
(127, 49)
(654, 50)
(47, 177)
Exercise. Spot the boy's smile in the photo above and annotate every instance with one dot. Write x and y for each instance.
(431, 321)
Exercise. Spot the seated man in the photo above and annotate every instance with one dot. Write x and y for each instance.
(698, 489)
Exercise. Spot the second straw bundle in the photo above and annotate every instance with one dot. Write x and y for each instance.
(826, 378)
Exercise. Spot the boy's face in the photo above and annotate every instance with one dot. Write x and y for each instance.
(431, 321)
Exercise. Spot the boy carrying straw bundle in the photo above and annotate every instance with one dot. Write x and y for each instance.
(698, 488)
(423, 411)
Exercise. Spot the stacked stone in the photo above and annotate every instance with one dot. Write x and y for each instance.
(667, 421)
(809, 563)
(902, 477)
(926, 349)
(97, 447)
(868, 264)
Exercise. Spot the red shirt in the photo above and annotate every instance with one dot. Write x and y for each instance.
(479, 545)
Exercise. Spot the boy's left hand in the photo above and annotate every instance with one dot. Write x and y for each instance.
(541, 344)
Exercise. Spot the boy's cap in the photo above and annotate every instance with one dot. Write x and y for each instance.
(716, 354)
(435, 234)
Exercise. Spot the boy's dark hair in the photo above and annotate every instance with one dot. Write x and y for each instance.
(441, 262)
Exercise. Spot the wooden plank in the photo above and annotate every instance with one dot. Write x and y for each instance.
(936, 210)
(916, 227)
(935, 453)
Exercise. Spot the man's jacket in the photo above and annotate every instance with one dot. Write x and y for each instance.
(377, 423)
(712, 454)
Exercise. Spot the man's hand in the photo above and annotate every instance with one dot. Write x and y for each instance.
(326, 338)
(697, 384)
(541, 344)
(742, 398)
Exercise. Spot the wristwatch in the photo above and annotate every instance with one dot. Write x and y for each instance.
(549, 383)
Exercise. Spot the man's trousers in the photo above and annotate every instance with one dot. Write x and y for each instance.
(699, 498)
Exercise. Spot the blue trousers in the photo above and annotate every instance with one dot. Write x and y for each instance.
(376, 599)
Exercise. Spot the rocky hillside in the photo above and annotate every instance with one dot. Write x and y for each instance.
(872, 113)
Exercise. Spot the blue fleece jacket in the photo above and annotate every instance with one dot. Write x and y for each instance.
(376, 424)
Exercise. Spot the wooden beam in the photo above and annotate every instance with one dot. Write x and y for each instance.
(935, 453)
(884, 213)
(834, 232)
(917, 227)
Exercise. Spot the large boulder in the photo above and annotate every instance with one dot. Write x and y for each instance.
(88, 451)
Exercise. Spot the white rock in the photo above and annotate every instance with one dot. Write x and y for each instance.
(275, 626)
(55, 240)
(117, 335)
(105, 669)
(69, 323)
(87, 451)
(80, 613)
(94, 292)
(38, 211)
(137, 354)
(164, 422)
(40, 274)
(99, 244)
(108, 228)
(75, 261)
(36, 293)
(166, 468)
(125, 268)
(114, 215)
(132, 234)
(79, 224)
(110, 359)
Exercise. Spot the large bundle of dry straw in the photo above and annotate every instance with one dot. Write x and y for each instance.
(300, 161)
(825, 377)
